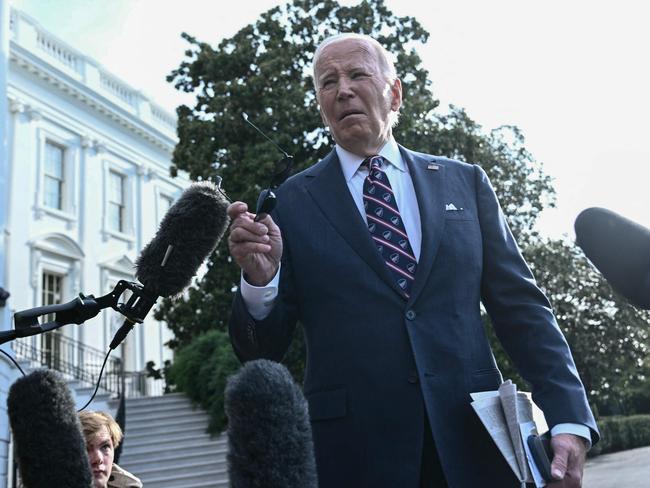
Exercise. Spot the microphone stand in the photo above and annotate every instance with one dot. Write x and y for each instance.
(82, 308)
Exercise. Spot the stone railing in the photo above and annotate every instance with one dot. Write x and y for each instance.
(29, 35)
(57, 50)
(163, 116)
(71, 358)
(116, 88)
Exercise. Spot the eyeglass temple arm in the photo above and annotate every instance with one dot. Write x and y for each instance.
(245, 117)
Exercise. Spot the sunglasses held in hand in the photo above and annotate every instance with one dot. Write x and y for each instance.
(267, 199)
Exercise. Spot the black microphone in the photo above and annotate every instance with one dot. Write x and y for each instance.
(49, 443)
(269, 435)
(620, 249)
(188, 233)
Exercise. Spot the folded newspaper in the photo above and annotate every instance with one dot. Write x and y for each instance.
(510, 417)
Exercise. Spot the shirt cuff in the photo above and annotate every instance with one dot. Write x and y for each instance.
(259, 300)
(576, 429)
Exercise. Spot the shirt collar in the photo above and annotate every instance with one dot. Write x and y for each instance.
(350, 162)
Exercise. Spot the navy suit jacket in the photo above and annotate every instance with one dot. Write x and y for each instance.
(377, 363)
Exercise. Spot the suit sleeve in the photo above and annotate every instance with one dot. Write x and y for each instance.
(523, 319)
(270, 337)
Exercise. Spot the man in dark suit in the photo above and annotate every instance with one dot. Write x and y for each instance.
(384, 256)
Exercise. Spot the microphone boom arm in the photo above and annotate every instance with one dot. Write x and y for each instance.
(80, 309)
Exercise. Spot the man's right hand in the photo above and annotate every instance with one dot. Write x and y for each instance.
(255, 246)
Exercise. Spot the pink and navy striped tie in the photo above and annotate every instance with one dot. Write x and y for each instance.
(385, 225)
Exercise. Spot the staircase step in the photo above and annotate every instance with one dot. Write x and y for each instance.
(160, 470)
(167, 445)
(209, 484)
(82, 395)
(172, 432)
(169, 441)
(171, 409)
(209, 476)
(166, 427)
(165, 416)
(86, 390)
(73, 384)
(158, 400)
(207, 452)
(173, 445)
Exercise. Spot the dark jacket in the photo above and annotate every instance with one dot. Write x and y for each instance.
(377, 363)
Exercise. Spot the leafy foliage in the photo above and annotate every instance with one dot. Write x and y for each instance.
(264, 71)
(201, 370)
(622, 433)
(609, 337)
(523, 189)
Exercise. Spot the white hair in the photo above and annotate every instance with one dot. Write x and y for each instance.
(384, 57)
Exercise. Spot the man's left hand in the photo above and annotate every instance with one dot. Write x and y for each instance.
(568, 463)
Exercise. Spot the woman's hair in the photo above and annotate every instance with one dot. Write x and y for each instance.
(92, 422)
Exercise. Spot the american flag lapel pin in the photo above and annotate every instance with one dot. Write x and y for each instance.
(433, 167)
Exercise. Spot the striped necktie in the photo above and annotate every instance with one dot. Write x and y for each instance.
(385, 225)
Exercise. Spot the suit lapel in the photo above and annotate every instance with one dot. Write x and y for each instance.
(429, 190)
(328, 188)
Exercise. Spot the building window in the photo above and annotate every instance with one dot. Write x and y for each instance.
(52, 294)
(56, 194)
(164, 205)
(118, 221)
(53, 176)
(116, 202)
(52, 291)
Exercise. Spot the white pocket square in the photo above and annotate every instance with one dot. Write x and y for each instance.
(450, 207)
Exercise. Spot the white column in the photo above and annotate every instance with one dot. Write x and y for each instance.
(4, 147)
(21, 208)
(7, 372)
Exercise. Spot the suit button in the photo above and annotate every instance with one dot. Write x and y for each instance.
(413, 378)
(410, 314)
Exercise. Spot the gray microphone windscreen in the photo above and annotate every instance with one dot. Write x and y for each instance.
(269, 434)
(50, 447)
(620, 249)
(193, 226)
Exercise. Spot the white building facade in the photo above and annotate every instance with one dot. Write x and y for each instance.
(84, 183)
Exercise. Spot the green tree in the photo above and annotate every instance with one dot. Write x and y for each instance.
(265, 71)
(201, 370)
(608, 336)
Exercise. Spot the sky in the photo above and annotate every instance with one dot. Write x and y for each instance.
(572, 75)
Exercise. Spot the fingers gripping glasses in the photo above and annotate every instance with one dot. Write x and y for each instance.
(267, 199)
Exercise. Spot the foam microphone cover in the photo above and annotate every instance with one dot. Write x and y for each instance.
(269, 435)
(193, 226)
(620, 249)
(50, 447)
